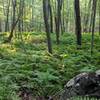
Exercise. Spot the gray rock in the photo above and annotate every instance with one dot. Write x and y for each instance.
(84, 84)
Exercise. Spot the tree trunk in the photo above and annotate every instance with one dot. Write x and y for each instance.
(91, 18)
(93, 23)
(51, 17)
(78, 21)
(13, 22)
(0, 26)
(63, 20)
(99, 17)
(47, 25)
(32, 23)
(58, 20)
(20, 24)
(7, 17)
(88, 16)
(67, 16)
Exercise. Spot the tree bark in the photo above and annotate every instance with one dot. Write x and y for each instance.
(93, 24)
(78, 21)
(91, 18)
(47, 25)
(0, 26)
(99, 18)
(20, 24)
(14, 22)
(58, 20)
(7, 17)
(63, 19)
(86, 17)
(51, 17)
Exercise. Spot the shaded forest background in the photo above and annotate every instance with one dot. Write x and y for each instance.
(29, 14)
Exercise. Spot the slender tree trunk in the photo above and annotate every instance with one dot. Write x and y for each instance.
(0, 26)
(7, 17)
(63, 19)
(51, 17)
(54, 13)
(22, 21)
(20, 24)
(93, 24)
(87, 17)
(58, 20)
(32, 23)
(91, 18)
(67, 15)
(78, 21)
(13, 22)
(47, 25)
(99, 17)
(99, 23)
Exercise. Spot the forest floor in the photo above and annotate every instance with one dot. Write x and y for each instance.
(27, 68)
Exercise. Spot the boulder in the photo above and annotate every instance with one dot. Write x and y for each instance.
(84, 84)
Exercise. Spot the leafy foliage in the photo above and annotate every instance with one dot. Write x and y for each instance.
(28, 64)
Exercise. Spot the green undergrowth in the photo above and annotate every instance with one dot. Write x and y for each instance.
(26, 63)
